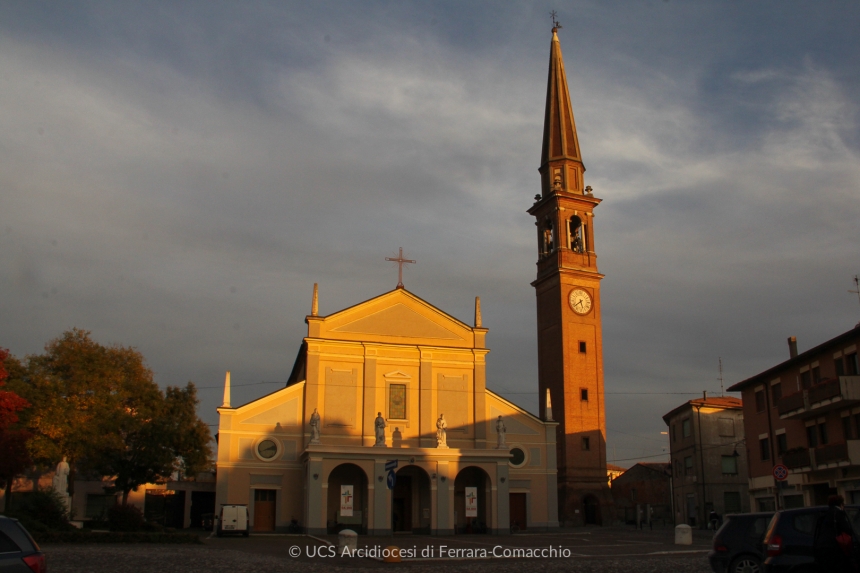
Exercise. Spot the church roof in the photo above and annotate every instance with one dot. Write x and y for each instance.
(559, 130)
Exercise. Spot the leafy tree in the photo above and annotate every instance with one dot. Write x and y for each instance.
(14, 457)
(100, 407)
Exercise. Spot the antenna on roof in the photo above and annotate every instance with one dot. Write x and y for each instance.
(721, 376)
(857, 287)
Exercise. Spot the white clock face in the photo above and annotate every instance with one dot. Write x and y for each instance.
(579, 301)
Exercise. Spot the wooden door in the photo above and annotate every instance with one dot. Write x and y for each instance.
(264, 509)
(519, 512)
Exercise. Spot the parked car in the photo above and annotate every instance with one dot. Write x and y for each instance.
(19, 552)
(233, 519)
(739, 544)
(790, 535)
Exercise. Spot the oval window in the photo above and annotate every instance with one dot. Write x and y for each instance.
(267, 449)
(519, 457)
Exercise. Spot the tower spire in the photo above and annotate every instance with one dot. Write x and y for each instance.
(561, 166)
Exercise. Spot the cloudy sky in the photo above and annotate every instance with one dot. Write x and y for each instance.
(176, 176)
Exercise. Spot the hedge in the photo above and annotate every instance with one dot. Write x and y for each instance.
(80, 536)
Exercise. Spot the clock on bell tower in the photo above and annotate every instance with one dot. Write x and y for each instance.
(570, 352)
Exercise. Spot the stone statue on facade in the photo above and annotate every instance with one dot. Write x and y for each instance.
(500, 430)
(380, 431)
(441, 432)
(315, 427)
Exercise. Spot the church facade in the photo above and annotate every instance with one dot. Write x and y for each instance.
(390, 386)
(386, 423)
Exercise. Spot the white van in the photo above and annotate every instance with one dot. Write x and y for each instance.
(233, 519)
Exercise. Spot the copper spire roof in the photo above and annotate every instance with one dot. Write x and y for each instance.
(559, 129)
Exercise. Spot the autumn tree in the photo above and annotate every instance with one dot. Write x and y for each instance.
(100, 408)
(14, 457)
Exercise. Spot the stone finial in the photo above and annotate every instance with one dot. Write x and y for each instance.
(477, 312)
(226, 403)
(315, 303)
(548, 415)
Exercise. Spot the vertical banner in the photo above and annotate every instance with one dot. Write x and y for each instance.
(471, 502)
(346, 499)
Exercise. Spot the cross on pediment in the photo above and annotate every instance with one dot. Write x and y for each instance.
(400, 262)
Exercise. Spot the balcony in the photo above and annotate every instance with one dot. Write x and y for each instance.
(832, 455)
(798, 459)
(825, 396)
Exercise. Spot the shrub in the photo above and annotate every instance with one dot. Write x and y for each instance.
(41, 511)
(125, 518)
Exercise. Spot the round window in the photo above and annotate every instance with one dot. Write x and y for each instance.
(267, 449)
(519, 457)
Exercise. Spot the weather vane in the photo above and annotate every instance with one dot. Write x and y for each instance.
(555, 23)
(400, 262)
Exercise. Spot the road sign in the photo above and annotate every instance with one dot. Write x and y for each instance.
(392, 479)
(780, 472)
(390, 465)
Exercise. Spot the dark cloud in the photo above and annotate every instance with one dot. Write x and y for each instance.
(176, 178)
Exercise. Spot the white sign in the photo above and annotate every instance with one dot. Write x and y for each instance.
(346, 500)
(471, 502)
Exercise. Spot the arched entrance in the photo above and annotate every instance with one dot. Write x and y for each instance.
(337, 515)
(476, 483)
(410, 501)
(591, 509)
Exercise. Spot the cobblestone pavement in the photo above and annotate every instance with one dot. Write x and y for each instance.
(610, 550)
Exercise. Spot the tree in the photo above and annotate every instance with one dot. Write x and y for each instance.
(14, 457)
(100, 407)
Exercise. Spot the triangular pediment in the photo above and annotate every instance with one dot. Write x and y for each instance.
(398, 320)
(397, 316)
(398, 375)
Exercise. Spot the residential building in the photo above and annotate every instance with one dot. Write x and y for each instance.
(643, 495)
(804, 413)
(709, 461)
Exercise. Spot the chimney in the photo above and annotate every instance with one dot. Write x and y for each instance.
(548, 414)
(792, 346)
(226, 403)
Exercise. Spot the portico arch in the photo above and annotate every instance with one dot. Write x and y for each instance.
(336, 519)
(473, 477)
(411, 501)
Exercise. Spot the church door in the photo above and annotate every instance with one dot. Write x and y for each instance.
(264, 509)
(592, 510)
(519, 518)
(401, 519)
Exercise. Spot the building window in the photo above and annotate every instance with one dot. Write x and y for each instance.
(846, 427)
(586, 443)
(764, 448)
(688, 465)
(816, 375)
(759, 401)
(775, 393)
(822, 434)
(805, 380)
(840, 366)
(583, 394)
(811, 436)
(851, 364)
(518, 457)
(732, 502)
(857, 425)
(98, 504)
(730, 465)
(582, 347)
(781, 444)
(397, 401)
(685, 428)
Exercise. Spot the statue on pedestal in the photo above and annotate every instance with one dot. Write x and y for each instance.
(500, 430)
(441, 432)
(60, 482)
(315, 427)
(380, 431)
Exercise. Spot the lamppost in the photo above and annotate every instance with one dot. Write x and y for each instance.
(671, 477)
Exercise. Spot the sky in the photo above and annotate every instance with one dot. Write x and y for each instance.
(175, 177)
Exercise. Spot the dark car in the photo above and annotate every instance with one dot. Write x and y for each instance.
(789, 538)
(19, 553)
(739, 544)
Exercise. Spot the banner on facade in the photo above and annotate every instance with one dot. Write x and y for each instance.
(346, 499)
(471, 502)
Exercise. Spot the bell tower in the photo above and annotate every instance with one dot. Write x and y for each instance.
(570, 352)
